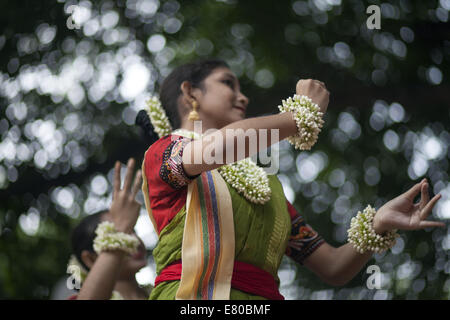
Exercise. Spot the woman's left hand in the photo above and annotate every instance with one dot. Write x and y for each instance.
(403, 214)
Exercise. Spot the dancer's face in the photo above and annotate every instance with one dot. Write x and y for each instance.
(221, 101)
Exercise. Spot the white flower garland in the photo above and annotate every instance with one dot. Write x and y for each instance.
(245, 176)
(158, 117)
(308, 118)
(248, 179)
(109, 239)
(363, 237)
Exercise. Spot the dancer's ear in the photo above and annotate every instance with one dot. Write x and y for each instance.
(187, 93)
(88, 258)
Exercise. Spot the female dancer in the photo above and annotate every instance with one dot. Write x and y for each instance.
(111, 273)
(224, 225)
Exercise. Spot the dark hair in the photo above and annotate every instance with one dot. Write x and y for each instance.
(170, 91)
(84, 234)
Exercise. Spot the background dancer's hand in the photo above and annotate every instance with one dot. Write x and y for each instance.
(124, 207)
(315, 90)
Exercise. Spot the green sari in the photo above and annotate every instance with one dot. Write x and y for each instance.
(261, 237)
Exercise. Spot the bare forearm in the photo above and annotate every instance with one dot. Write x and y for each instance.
(346, 263)
(101, 279)
(257, 135)
(349, 262)
(282, 121)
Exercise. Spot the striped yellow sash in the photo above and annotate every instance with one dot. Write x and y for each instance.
(208, 240)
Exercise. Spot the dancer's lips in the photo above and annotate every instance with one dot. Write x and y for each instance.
(240, 108)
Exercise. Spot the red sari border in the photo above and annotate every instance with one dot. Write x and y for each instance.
(246, 277)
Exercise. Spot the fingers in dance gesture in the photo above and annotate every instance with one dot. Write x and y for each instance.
(403, 214)
(124, 207)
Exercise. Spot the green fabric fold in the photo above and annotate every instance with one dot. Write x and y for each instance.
(261, 237)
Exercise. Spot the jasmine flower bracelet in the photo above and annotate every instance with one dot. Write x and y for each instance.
(108, 238)
(308, 118)
(364, 238)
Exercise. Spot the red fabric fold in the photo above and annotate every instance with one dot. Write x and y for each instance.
(246, 277)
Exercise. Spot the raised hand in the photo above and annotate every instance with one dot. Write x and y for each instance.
(124, 207)
(316, 91)
(402, 213)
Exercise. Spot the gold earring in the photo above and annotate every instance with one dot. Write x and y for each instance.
(193, 115)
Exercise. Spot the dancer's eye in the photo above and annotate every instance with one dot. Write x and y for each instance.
(229, 83)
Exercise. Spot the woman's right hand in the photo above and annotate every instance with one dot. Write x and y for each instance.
(125, 209)
(316, 91)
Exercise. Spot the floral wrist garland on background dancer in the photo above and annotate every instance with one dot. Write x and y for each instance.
(108, 238)
(308, 118)
(363, 236)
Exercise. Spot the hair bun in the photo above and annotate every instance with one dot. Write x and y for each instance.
(143, 120)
